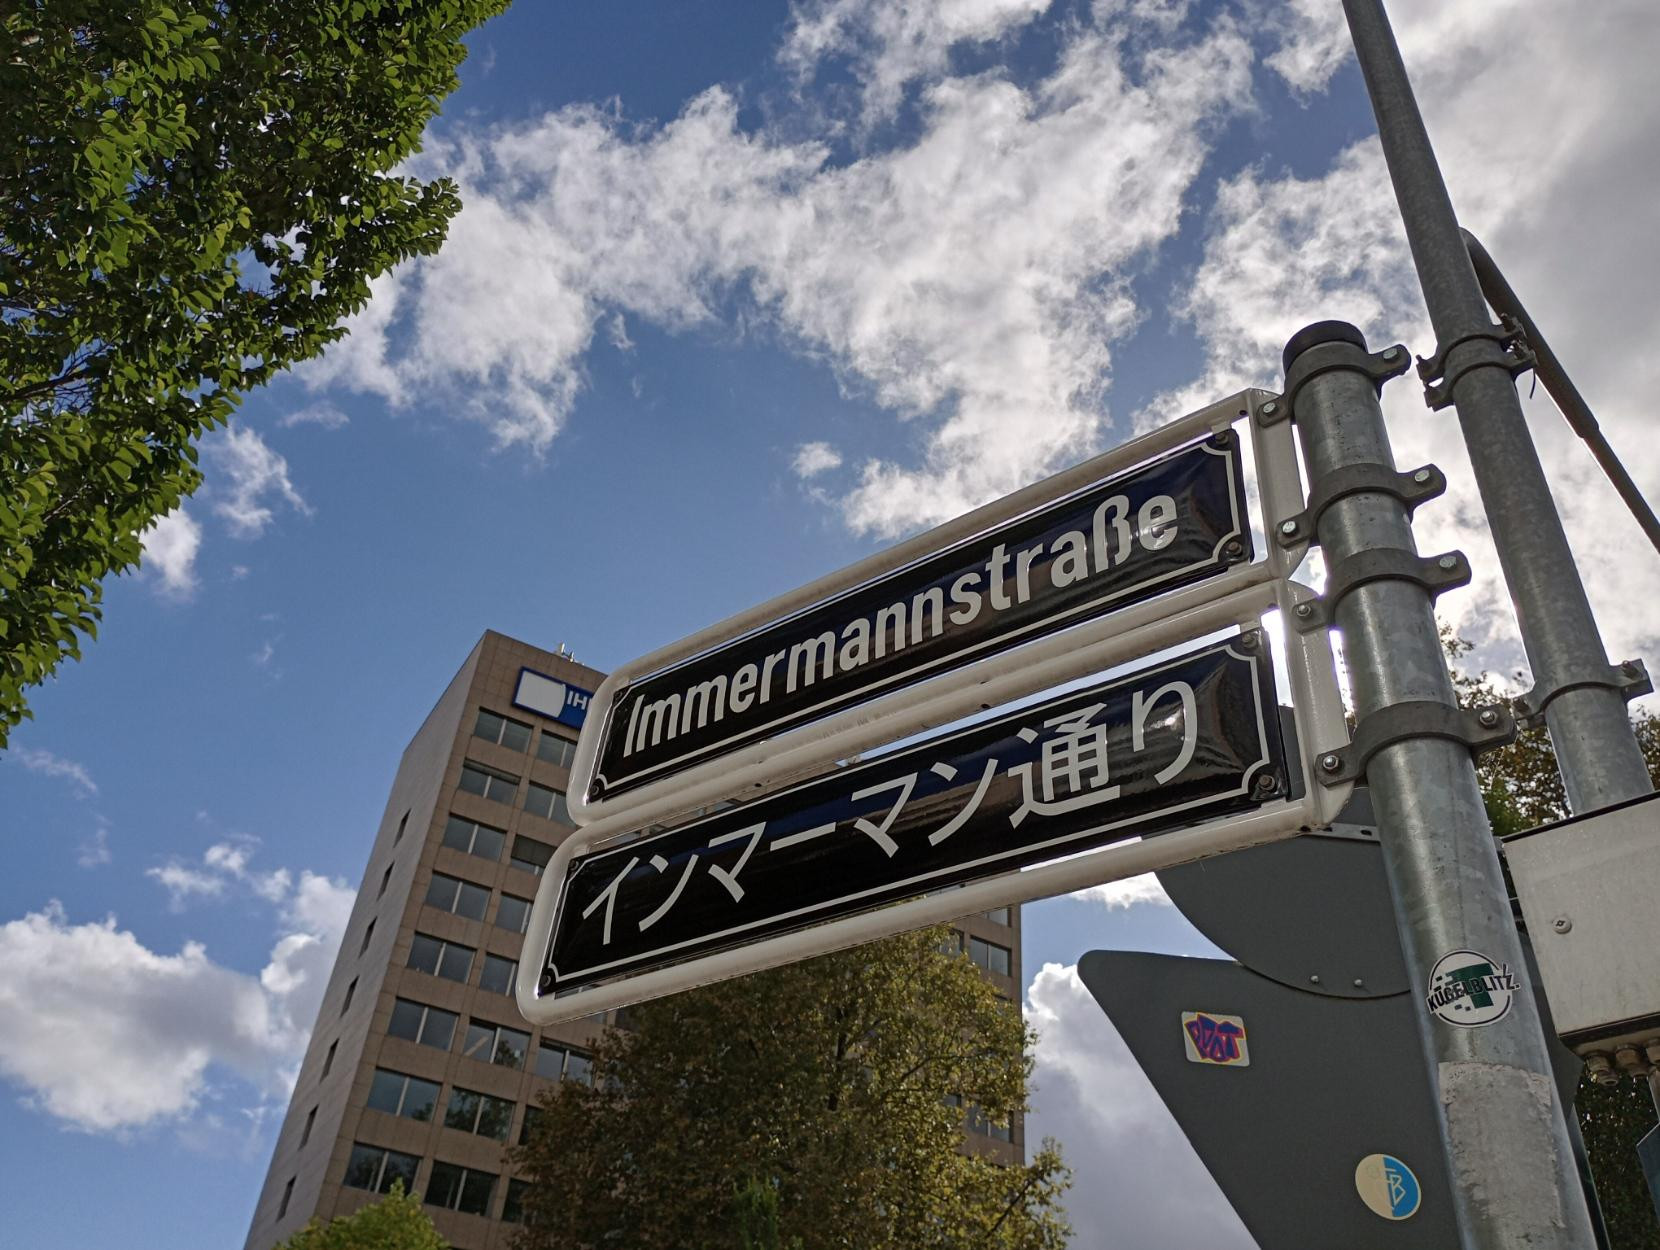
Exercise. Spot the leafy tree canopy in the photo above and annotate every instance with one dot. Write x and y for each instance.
(813, 1106)
(396, 1222)
(193, 195)
(1523, 790)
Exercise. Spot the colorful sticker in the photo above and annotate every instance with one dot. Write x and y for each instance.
(1387, 1186)
(1215, 1039)
(1468, 989)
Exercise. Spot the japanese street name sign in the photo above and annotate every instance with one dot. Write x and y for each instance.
(1171, 522)
(1188, 740)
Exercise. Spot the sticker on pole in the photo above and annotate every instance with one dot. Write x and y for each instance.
(1468, 989)
(1215, 1039)
(1388, 1187)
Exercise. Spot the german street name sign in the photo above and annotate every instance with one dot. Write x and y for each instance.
(1191, 739)
(1167, 523)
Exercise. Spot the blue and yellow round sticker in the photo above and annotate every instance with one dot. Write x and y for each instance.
(1387, 1186)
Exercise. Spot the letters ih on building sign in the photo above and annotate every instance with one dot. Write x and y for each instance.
(1170, 522)
(1190, 739)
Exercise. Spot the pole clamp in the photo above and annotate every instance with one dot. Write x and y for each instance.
(1434, 574)
(1391, 362)
(1631, 679)
(1411, 488)
(1515, 357)
(1478, 729)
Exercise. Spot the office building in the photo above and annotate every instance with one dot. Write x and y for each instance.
(420, 1066)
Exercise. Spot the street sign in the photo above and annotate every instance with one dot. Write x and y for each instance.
(1174, 521)
(994, 605)
(1182, 742)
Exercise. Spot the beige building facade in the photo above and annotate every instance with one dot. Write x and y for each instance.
(419, 1066)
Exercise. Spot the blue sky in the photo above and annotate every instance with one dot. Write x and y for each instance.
(741, 293)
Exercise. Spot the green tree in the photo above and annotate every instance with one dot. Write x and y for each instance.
(812, 1106)
(193, 195)
(396, 1222)
(1523, 789)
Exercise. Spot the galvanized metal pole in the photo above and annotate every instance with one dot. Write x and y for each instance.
(1582, 695)
(1511, 1164)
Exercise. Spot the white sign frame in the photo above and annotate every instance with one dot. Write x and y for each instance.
(1246, 593)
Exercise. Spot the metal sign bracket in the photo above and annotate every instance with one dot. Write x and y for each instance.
(1515, 357)
(1411, 488)
(1391, 362)
(1434, 573)
(1631, 679)
(1480, 730)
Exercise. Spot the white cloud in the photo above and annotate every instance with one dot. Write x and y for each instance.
(49, 765)
(170, 546)
(1058, 191)
(1152, 1192)
(226, 863)
(325, 415)
(1127, 893)
(184, 883)
(106, 1034)
(95, 851)
(811, 459)
(251, 473)
(887, 46)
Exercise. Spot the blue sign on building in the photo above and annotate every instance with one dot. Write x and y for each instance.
(550, 697)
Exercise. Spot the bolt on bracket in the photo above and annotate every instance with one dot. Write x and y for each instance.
(1435, 574)
(1515, 357)
(1479, 729)
(1631, 679)
(1391, 362)
(1411, 488)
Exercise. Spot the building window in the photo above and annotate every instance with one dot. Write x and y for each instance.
(287, 1193)
(375, 1168)
(998, 915)
(497, 1044)
(439, 958)
(513, 1209)
(546, 803)
(498, 974)
(416, 1022)
(977, 1122)
(513, 913)
(305, 1133)
(473, 838)
(530, 855)
(532, 1120)
(398, 1094)
(351, 990)
(512, 734)
(385, 880)
(487, 783)
(472, 1112)
(398, 836)
(460, 1189)
(555, 750)
(368, 935)
(558, 1063)
(989, 955)
(328, 1059)
(458, 897)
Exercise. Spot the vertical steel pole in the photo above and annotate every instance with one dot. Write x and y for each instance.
(1511, 1165)
(1590, 727)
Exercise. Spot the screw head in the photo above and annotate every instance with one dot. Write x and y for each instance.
(1390, 353)
(1330, 763)
(1314, 979)
(1360, 983)
(1267, 783)
(1234, 550)
(1448, 562)
(1489, 717)
(1305, 610)
(1269, 409)
(1421, 476)
(1562, 924)
(545, 985)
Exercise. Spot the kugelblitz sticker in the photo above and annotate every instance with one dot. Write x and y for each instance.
(1387, 1186)
(1468, 989)
(1215, 1039)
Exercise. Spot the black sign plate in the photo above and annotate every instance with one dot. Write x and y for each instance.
(1188, 740)
(1168, 523)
